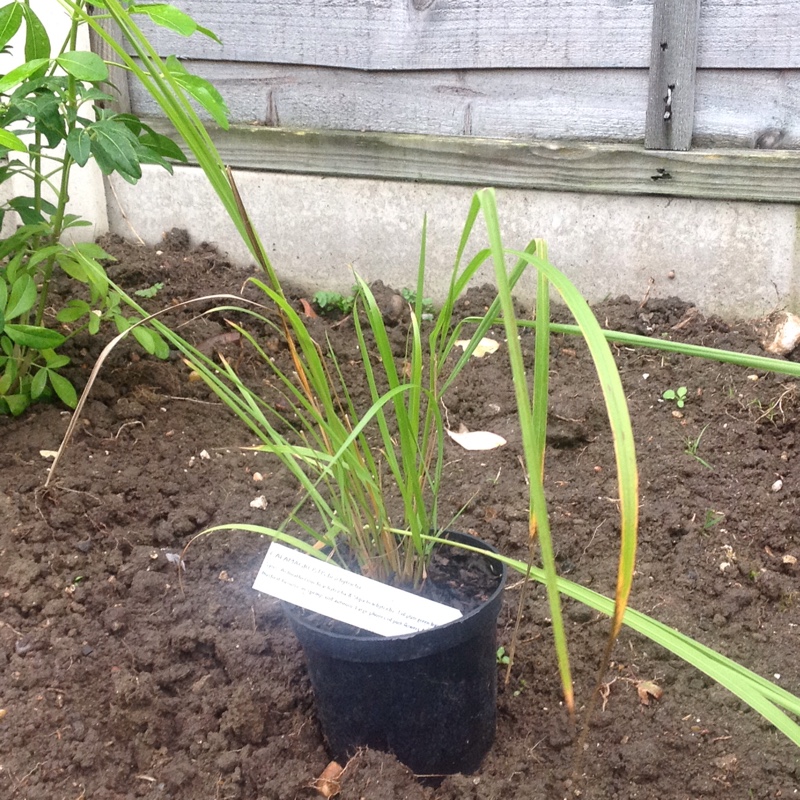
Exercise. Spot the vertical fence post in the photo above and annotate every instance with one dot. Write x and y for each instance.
(673, 59)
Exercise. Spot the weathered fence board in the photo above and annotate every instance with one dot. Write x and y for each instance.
(422, 34)
(673, 56)
(377, 87)
(540, 104)
(481, 34)
(747, 108)
(627, 169)
(749, 34)
(597, 105)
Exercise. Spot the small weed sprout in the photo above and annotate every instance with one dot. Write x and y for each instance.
(332, 302)
(692, 446)
(410, 296)
(150, 292)
(712, 519)
(677, 396)
(788, 601)
(502, 657)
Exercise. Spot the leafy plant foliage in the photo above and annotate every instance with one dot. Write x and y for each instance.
(51, 119)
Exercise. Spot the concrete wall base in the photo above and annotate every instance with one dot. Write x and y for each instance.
(731, 258)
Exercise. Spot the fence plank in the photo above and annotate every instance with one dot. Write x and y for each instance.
(605, 105)
(749, 34)
(673, 55)
(480, 34)
(747, 108)
(624, 169)
(419, 34)
(733, 108)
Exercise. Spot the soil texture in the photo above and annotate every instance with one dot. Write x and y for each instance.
(124, 676)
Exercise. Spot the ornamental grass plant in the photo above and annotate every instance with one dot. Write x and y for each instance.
(343, 457)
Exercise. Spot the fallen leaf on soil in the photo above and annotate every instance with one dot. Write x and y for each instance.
(648, 689)
(307, 310)
(48, 453)
(485, 347)
(477, 440)
(219, 340)
(328, 783)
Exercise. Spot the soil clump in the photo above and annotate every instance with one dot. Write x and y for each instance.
(123, 677)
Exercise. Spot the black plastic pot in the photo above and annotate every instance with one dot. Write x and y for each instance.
(430, 697)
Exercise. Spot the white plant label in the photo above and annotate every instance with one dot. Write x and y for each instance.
(328, 589)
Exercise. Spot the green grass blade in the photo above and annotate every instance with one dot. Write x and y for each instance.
(757, 692)
(619, 419)
(616, 407)
(532, 438)
(541, 367)
(762, 695)
(763, 363)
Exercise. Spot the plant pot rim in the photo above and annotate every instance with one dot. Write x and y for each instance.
(374, 647)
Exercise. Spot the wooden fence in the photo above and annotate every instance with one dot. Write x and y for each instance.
(676, 97)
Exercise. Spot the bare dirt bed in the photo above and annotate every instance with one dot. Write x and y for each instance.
(116, 682)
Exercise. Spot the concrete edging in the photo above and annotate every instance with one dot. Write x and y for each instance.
(729, 257)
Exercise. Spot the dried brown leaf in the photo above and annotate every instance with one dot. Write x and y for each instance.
(648, 689)
(328, 784)
(307, 310)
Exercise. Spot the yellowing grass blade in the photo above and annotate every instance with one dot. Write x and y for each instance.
(616, 407)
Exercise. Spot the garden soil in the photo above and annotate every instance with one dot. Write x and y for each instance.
(123, 677)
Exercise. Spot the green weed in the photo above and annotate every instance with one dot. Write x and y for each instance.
(692, 446)
(712, 519)
(150, 292)
(677, 396)
(410, 296)
(334, 302)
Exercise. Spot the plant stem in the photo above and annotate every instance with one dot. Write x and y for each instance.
(62, 197)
